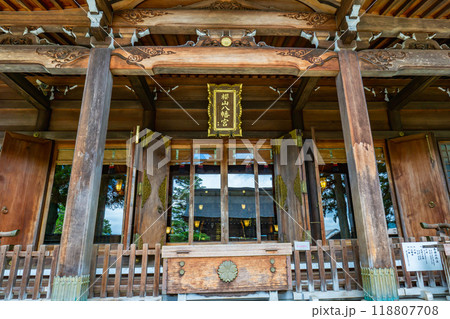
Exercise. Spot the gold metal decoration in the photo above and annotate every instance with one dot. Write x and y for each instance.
(227, 271)
(146, 189)
(163, 192)
(224, 109)
(281, 191)
(226, 41)
(298, 187)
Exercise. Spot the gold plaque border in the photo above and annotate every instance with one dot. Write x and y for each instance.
(237, 93)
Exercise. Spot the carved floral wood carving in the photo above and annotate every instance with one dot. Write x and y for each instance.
(383, 59)
(135, 16)
(63, 55)
(226, 5)
(313, 56)
(311, 18)
(137, 54)
(17, 40)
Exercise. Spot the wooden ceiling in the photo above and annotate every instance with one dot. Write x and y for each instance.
(425, 9)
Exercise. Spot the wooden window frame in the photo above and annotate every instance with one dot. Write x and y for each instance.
(224, 236)
(58, 145)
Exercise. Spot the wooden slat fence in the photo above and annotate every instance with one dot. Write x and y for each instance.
(333, 268)
(120, 273)
(27, 274)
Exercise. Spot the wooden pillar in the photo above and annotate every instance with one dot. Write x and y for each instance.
(72, 279)
(376, 264)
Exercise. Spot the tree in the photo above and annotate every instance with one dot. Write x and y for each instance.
(180, 202)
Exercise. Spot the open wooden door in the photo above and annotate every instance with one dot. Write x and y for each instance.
(290, 186)
(151, 217)
(419, 183)
(24, 166)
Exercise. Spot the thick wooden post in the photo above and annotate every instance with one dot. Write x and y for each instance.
(376, 264)
(72, 281)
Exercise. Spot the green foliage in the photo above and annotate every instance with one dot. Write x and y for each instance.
(329, 202)
(180, 201)
(106, 227)
(60, 190)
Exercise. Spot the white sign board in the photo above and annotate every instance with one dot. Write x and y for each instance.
(421, 256)
(302, 245)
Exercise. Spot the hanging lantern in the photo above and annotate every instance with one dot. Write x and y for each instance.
(168, 230)
(276, 228)
(243, 206)
(119, 185)
(323, 182)
(200, 206)
(197, 223)
(246, 222)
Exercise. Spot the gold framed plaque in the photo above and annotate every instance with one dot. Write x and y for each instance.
(224, 109)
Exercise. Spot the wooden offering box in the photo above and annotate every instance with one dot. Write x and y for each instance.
(226, 268)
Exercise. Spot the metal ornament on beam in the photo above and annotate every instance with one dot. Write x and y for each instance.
(224, 110)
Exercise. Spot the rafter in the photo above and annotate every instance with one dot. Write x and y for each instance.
(31, 94)
(410, 91)
(146, 97)
(301, 97)
(406, 95)
(101, 15)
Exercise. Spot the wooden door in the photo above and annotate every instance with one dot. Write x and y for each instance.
(293, 216)
(419, 183)
(151, 219)
(24, 166)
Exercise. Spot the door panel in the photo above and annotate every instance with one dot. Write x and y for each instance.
(24, 165)
(419, 182)
(151, 219)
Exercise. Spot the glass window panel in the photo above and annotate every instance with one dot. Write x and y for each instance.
(108, 227)
(207, 156)
(207, 215)
(241, 202)
(336, 202)
(387, 199)
(110, 211)
(269, 226)
(266, 155)
(178, 218)
(180, 155)
(445, 153)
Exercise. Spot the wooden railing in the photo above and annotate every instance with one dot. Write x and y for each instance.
(27, 274)
(326, 271)
(332, 271)
(136, 273)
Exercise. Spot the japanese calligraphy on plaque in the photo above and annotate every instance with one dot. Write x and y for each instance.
(224, 109)
(421, 256)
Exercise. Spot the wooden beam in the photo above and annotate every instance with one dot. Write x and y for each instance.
(344, 10)
(105, 7)
(221, 60)
(409, 92)
(82, 199)
(348, 8)
(173, 21)
(374, 248)
(406, 95)
(301, 97)
(32, 95)
(147, 99)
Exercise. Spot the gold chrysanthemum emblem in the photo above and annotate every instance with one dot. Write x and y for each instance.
(227, 271)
